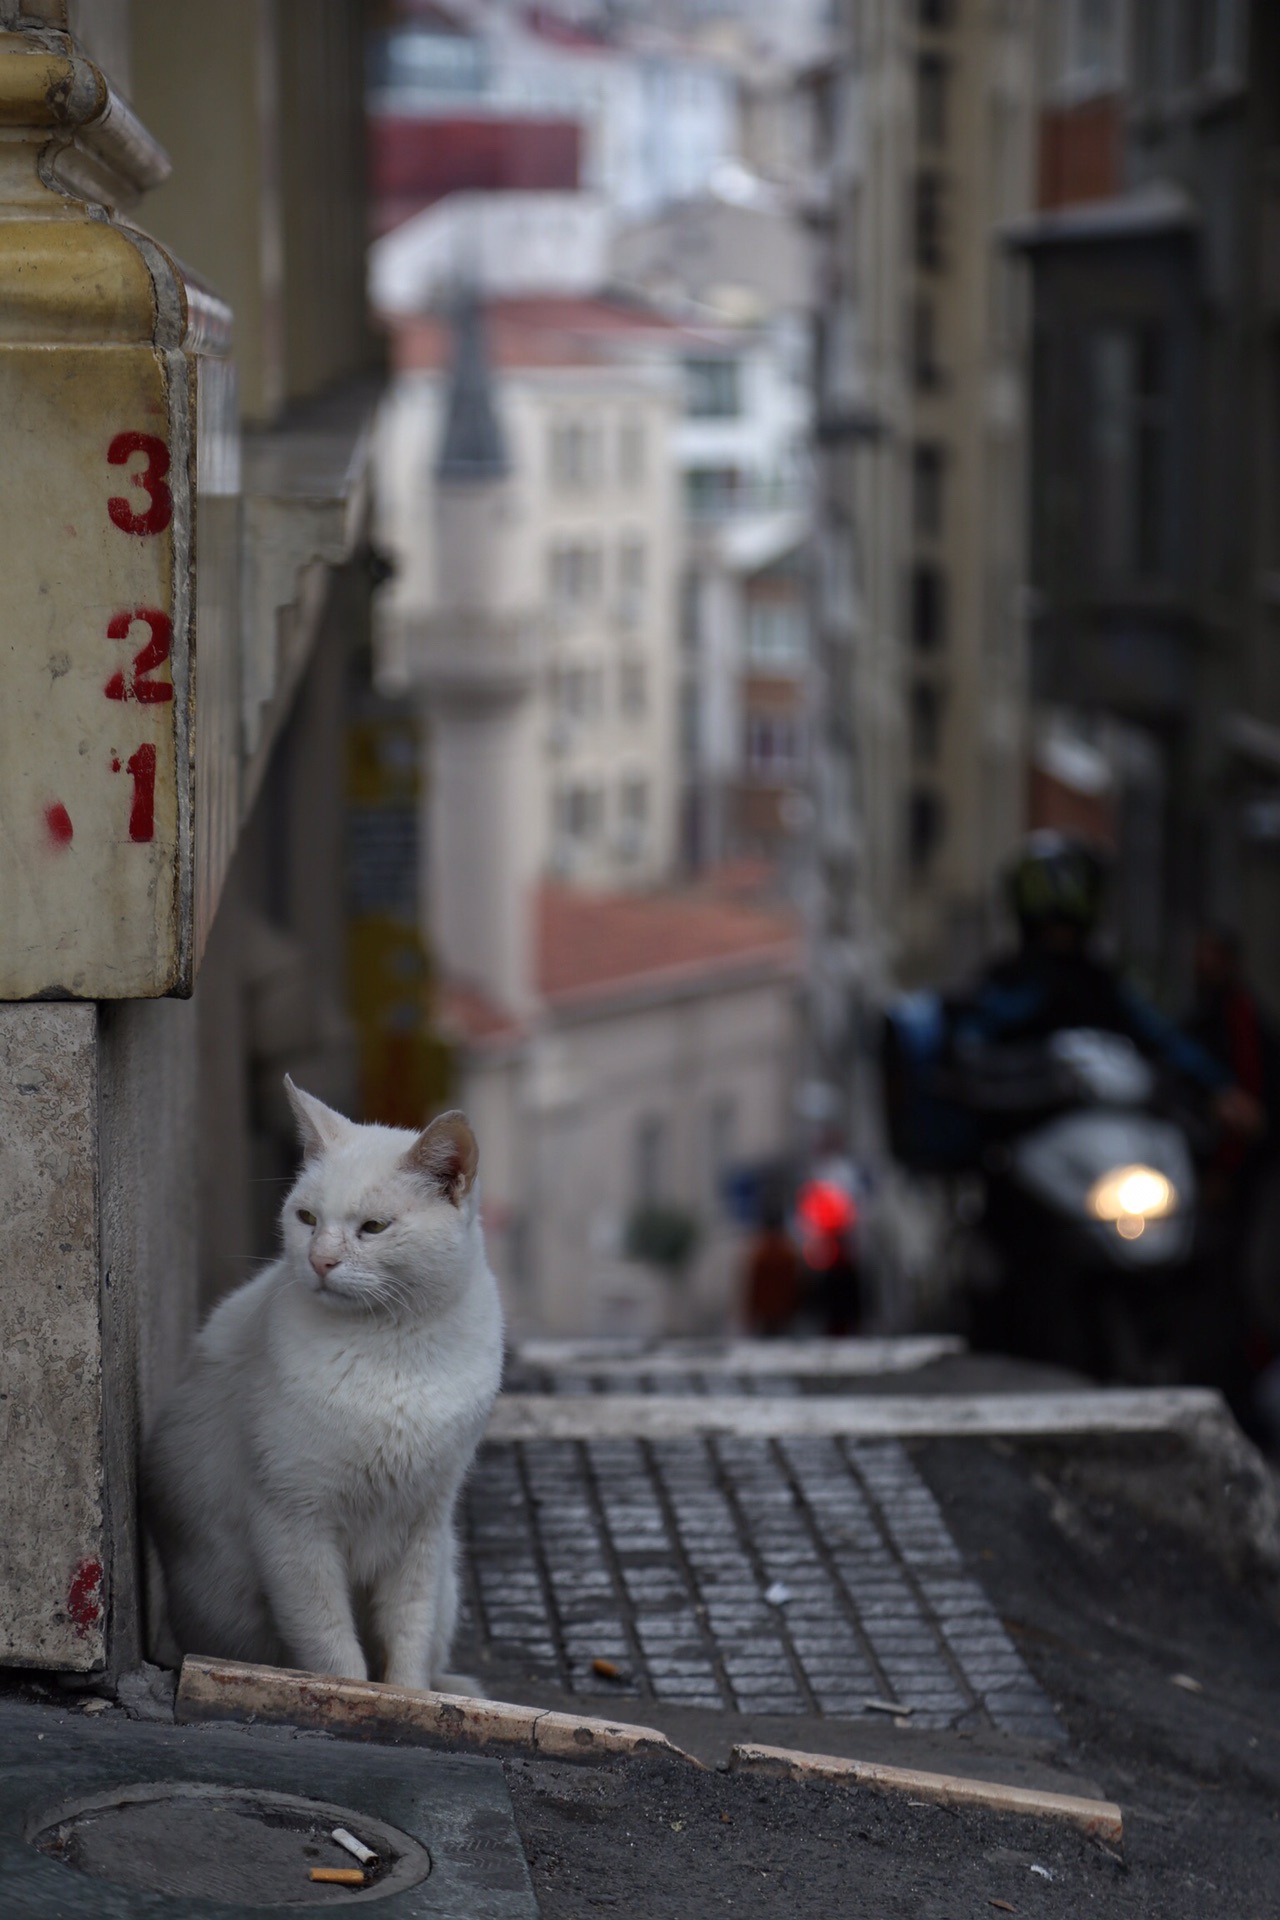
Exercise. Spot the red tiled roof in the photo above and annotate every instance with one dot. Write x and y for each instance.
(538, 332)
(466, 1012)
(590, 944)
(594, 947)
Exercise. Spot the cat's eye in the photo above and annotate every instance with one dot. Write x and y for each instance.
(307, 1218)
(374, 1226)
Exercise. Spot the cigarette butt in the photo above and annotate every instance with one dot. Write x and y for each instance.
(608, 1669)
(338, 1876)
(365, 1855)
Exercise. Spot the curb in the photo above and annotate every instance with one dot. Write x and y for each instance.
(891, 1416)
(1100, 1819)
(231, 1690)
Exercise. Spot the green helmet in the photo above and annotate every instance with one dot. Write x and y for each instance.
(1055, 878)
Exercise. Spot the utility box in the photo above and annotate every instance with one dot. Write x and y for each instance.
(118, 749)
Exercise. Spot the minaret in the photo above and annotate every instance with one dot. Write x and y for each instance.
(476, 667)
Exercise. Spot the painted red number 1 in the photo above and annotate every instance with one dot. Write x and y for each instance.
(135, 685)
(159, 511)
(142, 814)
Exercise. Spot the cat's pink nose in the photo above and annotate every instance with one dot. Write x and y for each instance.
(324, 1263)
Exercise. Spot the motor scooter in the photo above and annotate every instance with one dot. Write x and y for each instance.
(1073, 1190)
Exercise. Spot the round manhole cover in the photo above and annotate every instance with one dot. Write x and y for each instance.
(227, 1843)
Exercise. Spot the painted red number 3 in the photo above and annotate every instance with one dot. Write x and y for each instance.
(150, 478)
(134, 685)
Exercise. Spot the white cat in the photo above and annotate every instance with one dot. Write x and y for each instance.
(300, 1485)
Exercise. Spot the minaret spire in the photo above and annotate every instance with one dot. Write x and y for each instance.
(473, 447)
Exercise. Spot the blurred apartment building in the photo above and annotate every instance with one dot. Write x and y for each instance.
(589, 546)
(462, 85)
(732, 267)
(923, 117)
(188, 390)
(1155, 480)
(621, 1046)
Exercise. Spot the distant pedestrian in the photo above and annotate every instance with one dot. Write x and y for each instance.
(827, 1218)
(774, 1276)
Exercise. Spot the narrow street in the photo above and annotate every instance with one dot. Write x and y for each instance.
(1036, 1585)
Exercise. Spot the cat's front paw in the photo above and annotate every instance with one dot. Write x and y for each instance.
(465, 1684)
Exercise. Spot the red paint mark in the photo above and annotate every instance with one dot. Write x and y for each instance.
(115, 763)
(84, 1597)
(145, 661)
(142, 814)
(58, 821)
(150, 478)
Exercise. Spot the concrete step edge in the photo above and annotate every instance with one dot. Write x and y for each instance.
(234, 1690)
(1100, 1819)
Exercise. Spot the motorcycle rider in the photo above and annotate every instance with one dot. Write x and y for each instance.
(1055, 981)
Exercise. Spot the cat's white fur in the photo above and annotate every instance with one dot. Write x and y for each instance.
(300, 1485)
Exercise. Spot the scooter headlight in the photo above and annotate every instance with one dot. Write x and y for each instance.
(1131, 1196)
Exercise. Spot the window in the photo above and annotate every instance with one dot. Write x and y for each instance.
(722, 1134)
(1216, 30)
(930, 220)
(924, 345)
(924, 830)
(1093, 48)
(650, 1160)
(928, 464)
(711, 490)
(774, 747)
(633, 818)
(582, 812)
(631, 453)
(775, 632)
(928, 608)
(690, 723)
(926, 723)
(577, 569)
(1129, 431)
(711, 389)
(581, 692)
(631, 580)
(575, 450)
(633, 689)
(931, 101)
(690, 612)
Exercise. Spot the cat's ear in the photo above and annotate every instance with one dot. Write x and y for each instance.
(447, 1154)
(318, 1126)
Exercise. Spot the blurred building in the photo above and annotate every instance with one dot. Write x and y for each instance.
(416, 162)
(619, 1052)
(188, 390)
(733, 265)
(655, 117)
(587, 546)
(1156, 468)
(652, 1068)
(924, 123)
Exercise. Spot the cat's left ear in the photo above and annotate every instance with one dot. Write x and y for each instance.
(318, 1125)
(447, 1154)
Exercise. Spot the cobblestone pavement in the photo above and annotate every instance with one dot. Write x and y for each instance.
(759, 1575)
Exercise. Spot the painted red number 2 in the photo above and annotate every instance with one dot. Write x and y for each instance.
(142, 814)
(150, 478)
(134, 685)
